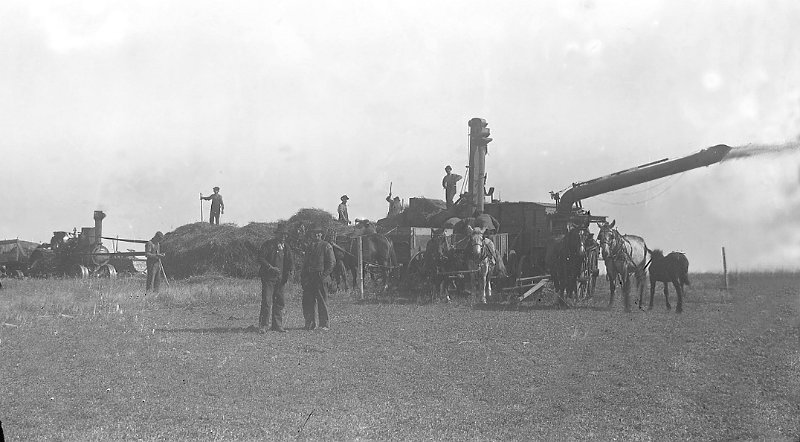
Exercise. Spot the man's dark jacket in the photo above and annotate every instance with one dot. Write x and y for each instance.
(272, 268)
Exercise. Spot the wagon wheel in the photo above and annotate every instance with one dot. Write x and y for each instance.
(80, 271)
(107, 271)
(584, 279)
(593, 272)
(414, 274)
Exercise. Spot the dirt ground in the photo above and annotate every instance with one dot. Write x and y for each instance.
(728, 368)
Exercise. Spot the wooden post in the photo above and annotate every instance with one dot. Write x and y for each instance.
(360, 269)
(725, 268)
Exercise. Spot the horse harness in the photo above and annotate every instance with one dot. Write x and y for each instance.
(621, 251)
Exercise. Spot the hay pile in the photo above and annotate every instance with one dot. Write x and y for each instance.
(202, 248)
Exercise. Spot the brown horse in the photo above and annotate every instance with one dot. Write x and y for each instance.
(440, 256)
(672, 268)
(624, 255)
(378, 255)
(564, 258)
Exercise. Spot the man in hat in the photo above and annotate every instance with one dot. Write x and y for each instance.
(318, 263)
(277, 263)
(395, 206)
(152, 251)
(217, 206)
(449, 183)
(342, 209)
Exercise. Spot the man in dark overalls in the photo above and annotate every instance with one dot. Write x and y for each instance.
(318, 263)
(217, 206)
(277, 264)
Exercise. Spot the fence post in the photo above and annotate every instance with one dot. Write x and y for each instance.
(725, 268)
(360, 270)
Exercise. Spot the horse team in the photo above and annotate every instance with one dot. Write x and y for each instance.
(473, 258)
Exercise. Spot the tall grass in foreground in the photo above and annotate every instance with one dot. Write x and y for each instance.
(89, 297)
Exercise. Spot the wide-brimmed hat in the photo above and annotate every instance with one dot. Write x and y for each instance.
(344, 198)
(158, 236)
(448, 167)
(216, 188)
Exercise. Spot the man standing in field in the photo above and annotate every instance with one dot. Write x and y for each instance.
(317, 265)
(152, 251)
(449, 183)
(217, 206)
(277, 264)
(342, 209)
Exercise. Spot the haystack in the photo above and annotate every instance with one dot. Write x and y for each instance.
(201, 248)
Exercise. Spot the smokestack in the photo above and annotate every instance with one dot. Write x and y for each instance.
(98, 226)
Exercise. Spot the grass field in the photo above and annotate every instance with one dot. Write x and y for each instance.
(97, 360)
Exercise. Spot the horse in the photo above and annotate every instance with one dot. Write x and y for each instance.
(672, 268)
(481, 258)
(344, 263)
(564, 259)
(624, 255)
(378, 255)
(441, 256)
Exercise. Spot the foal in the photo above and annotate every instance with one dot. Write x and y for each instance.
(672, 268)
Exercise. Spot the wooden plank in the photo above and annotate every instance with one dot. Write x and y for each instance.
(533, 289)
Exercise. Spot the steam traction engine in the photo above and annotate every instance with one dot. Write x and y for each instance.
(77, 255)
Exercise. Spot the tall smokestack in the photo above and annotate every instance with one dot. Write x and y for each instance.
(98, 226)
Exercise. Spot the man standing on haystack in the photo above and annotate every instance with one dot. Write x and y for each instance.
(318, 263)
(449, 183)
(277, 264)
(152, 251)
(342, 209)
(217, 206)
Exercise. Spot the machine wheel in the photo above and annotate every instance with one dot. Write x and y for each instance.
(80, 271)
(107, 271)
(414, 275)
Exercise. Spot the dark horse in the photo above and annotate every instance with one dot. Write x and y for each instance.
(440, 257)
(624, 255)
(672, 268)
(564, 258)
(378, 256)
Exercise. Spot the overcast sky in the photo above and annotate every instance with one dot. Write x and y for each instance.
(135, 107)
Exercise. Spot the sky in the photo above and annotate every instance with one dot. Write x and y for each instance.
(135, 108)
